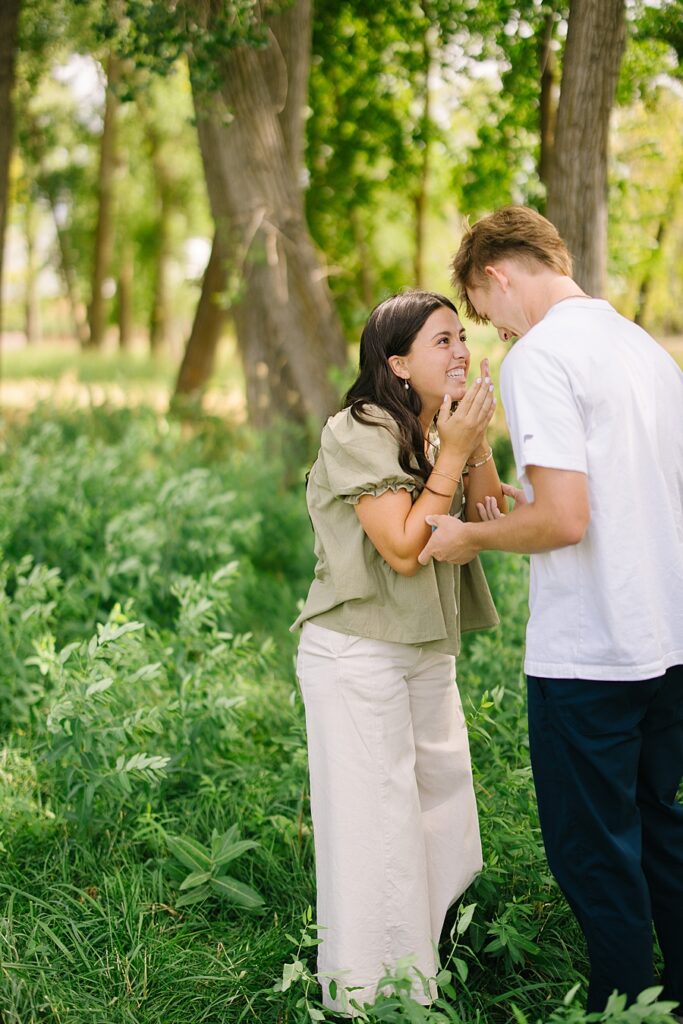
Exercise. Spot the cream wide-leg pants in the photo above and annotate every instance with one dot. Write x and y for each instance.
(394, 814)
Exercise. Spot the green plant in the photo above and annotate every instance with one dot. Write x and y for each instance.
(207, 875)
(28, 599)
(94, 736)
(646, 1010)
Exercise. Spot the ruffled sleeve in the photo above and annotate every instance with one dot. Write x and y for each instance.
(362, 458)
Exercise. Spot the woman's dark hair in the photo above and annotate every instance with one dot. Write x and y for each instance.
(390, 331)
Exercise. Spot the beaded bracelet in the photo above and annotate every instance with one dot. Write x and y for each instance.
(481, 462)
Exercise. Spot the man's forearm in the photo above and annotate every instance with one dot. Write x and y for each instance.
(557, 517)
(528, 530)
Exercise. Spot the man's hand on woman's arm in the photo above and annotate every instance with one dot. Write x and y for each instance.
(557, 517)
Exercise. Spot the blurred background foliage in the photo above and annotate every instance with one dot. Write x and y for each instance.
(411, 118)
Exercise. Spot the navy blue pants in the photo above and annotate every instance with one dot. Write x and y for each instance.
(607, 759)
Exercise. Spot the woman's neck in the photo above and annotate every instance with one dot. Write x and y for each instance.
(426, 420)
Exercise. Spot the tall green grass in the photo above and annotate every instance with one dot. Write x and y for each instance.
(149, 572)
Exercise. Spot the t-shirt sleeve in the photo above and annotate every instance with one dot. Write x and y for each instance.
(544, 417)
(362, 459)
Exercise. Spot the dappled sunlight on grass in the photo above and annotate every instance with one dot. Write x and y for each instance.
(61, 373)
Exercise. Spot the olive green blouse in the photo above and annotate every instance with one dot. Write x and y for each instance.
(355, 590)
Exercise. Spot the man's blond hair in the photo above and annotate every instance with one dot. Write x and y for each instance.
(514, 232)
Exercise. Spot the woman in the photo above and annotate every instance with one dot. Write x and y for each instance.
(394, 816)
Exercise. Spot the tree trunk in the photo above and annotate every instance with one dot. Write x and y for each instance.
(577, 198)
(251, 139)
(31, 311)
(270, 385)
(421, 194)
(666, 220)
(209, 320)
(104, 232)
(9, 23)
(49, 189)
(124, 293)
(159, 314)
(548, 112)
(68, 270)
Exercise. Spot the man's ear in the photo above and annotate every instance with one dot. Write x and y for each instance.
(397, 367)
(497, 275)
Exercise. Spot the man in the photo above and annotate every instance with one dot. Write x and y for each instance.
(595, 411)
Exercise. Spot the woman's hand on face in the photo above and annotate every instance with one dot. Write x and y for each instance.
(464, 428)
(481, 441)
(488, 509)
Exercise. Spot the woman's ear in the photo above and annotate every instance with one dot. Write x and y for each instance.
(397, 366)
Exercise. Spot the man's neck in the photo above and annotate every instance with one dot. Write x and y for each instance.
(546, 290)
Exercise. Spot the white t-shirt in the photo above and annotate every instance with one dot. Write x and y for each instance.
(587, 390)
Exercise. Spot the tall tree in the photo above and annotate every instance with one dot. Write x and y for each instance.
(159, 313)
(54, 183)
(547, 105)
(577, 196)
(104, 232)
(421, 192)
(124, 293)
(9, 25)
(31, 304)
(209, 320)
(251, 133)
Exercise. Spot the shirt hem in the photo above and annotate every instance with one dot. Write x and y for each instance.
(618, 673)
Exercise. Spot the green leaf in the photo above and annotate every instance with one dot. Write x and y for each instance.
(195, 879)
(234, 851)
(237, 892)
(465, 918)
(291, 973)
(146, 762)
(67, 651)
(193, 896)
(99, 686)
(649, 995)
(519, 1016)
(189, 852)
(462, 969)
(572, 992)
(220, 842)
(146, 672)
(109, 631)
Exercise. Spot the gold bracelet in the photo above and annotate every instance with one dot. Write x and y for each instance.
(481, 462)
(439, 493)
(437, 472)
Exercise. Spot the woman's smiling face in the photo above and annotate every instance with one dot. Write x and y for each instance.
(438, 361)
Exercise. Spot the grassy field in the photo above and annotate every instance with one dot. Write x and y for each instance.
(152, 745)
